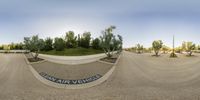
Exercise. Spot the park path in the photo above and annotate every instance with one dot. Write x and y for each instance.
(136, 77)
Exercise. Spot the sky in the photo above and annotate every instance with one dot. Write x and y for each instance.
(138, 21)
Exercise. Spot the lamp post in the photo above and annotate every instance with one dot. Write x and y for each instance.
(173, 44)
(173, 55)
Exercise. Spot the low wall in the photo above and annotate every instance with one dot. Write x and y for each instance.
(79, 86)
(72, 60)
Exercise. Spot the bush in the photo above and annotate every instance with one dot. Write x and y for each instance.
(70, 39)
(85, 40)
(48, 44)
(59, 44)
(96, 43)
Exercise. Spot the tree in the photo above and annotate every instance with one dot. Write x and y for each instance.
(149, 49)
(96, 43)
(70, 39)
(139, 48)
(79, 41)
(157, 45)
(120, 43)
(34, 44)
(108, 41)
(59, 44)
(48, 44)
(184, 46)
(6, 48)
(18, 46)
(1, 47)
(27, 44)
(190, 47)
(12, 46)
(178, 49)
(198, 47)
(85, 40)
(165, 48)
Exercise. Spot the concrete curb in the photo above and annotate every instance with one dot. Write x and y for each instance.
(65, 86)
(72, 60)
(106, 62)
(29, 63)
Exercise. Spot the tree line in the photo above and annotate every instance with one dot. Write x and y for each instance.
(108, 42)
(12, 46)
(157, 46)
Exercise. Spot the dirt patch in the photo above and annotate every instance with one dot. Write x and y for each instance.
(110, 60)
(35, 60)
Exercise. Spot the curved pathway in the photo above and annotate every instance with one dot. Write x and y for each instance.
(137, 77)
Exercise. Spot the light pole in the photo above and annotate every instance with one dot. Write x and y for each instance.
(173, 44)
(173, 55)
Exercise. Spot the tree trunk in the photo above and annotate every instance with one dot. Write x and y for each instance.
(36, 55)
(190, 53)
(113, 51)
(156, 52)
(108, 53)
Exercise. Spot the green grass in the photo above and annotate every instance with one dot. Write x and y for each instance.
(73, 52)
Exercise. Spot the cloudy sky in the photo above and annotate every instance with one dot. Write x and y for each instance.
(138, 21)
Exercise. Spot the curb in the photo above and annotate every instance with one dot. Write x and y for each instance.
(65, 86)
(29, 63)
(72, 60)
(106, 62)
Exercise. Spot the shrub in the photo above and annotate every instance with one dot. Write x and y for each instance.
(85, 40)
(70, 39)
(59, 44)
(96, 43)
(48, 44)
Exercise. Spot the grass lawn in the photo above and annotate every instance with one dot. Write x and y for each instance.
(73, 52)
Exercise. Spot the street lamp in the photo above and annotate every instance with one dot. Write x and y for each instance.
(173, 55)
